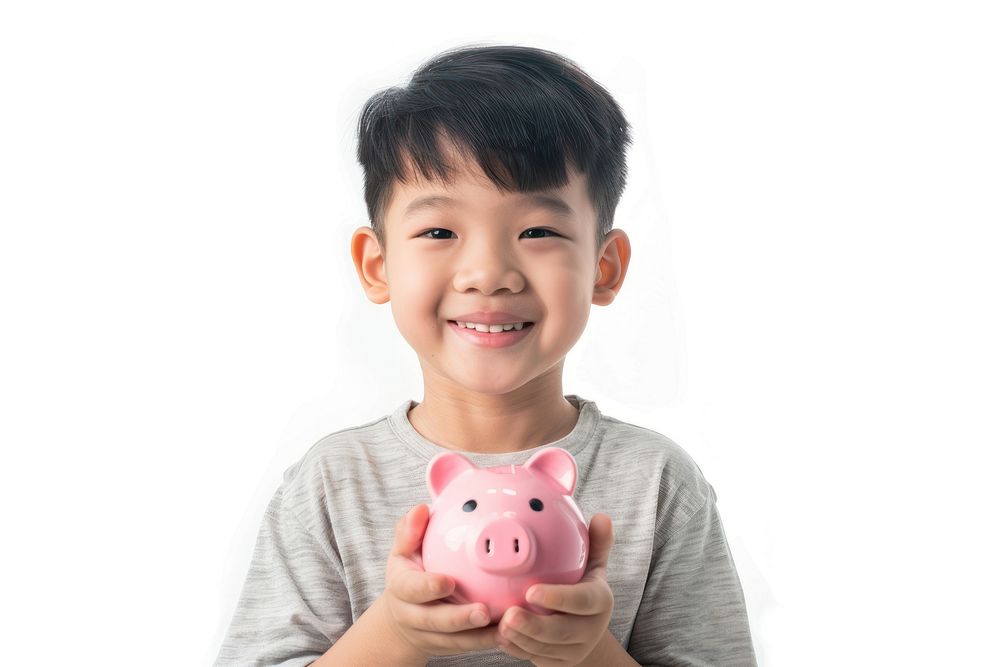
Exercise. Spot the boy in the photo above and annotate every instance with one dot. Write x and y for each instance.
(491, 182)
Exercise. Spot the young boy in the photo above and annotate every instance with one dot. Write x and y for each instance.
(491, 182)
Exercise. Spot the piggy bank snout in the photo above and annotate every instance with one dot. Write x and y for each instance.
(504, 546)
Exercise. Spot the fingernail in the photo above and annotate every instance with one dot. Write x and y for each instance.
(479, 618)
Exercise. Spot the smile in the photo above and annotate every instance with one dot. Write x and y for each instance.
(492, 328)
(491, 340)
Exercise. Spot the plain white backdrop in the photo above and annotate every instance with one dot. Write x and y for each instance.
(811, 308)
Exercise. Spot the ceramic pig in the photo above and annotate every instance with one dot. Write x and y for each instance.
(498, 531)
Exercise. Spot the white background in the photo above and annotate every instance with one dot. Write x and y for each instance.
(811, 310)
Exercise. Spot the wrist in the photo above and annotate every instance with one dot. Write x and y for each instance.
(608, 652)
(372, 641)
(405, 653)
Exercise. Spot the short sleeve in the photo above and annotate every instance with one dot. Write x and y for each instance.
(692, 610)
(294, 604)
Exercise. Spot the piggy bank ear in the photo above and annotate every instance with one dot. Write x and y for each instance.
(443, 468)
(558, 464)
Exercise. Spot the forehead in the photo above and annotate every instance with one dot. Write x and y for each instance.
(471, 188)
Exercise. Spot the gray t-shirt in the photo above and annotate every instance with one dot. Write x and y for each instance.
(319, 561)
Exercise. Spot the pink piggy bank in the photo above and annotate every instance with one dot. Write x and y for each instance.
(498, 531)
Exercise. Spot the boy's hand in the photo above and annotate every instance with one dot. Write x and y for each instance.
(565, 638)
(427, 628)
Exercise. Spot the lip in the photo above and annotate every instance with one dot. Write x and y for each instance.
(488, 340)
(491, 317)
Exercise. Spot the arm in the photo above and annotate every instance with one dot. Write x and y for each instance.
(609, 653)
(400, 628)
(370, 641)
(294, 601)
(692, 609)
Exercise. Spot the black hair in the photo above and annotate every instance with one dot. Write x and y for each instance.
(520, 112)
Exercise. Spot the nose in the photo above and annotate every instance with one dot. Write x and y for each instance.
(489, 271)
(504, 546)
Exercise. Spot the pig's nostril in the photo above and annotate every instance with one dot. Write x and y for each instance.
(515, 546)
(488, 549)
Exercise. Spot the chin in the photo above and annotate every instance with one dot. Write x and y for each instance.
(492, 388)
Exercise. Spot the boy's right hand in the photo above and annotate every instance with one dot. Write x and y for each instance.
(428, 628)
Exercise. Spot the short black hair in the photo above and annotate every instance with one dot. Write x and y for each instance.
(520, 112)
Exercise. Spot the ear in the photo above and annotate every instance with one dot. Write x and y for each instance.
(612, 265)
(443, 468)
(558, 464)
(370, 264)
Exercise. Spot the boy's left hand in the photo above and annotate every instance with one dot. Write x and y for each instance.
(582, 611)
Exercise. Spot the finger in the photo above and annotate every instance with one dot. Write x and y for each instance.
(533, 647)
(583, 599)
(479, 639)
(410, 531)
(554, 629)
(510, 648)
(443, 616)
(602, 537)
(416, 586)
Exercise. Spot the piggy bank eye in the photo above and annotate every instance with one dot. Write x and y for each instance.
(536, 504)
(469, 506)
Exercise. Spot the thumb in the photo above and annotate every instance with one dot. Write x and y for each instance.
(602, 537)
(410, 531)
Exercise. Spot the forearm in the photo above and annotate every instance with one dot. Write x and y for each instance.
(370, 642)
(609, 653)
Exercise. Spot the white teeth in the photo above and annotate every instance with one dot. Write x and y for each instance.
(492, 328)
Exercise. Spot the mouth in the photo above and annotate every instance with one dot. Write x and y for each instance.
(488, 340)
(527, 325)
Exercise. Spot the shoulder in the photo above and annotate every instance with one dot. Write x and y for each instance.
(310, 484)
(340, 447)
(651, 451)
(640, 455)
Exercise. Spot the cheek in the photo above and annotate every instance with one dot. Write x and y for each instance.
(413, 287)
(565, 276)
(567, 297)
(567, 308)
(414, 297)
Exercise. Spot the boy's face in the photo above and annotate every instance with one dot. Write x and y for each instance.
(482, 259)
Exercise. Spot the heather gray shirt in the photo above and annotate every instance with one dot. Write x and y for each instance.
(319, 561)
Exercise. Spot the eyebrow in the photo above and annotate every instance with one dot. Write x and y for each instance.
(548, 202)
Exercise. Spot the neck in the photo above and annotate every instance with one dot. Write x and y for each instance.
(493, 424)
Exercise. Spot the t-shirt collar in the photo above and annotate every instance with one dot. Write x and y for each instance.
(574, 442)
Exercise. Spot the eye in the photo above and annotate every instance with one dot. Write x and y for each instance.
(536, 504)
(439, 229)
(540, 229)
(469, 506)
